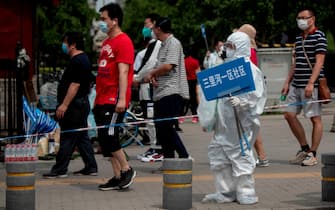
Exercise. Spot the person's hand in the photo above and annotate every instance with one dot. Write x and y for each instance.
(284, 90)
(235, 101)
(208, 53)
(150, 78)
(120, 106)
(61, 111)
(309, 90)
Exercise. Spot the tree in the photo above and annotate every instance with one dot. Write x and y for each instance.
(271, 18)
(54, 21)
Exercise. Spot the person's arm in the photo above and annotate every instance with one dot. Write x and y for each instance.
(123, 84)
(206, 60)
(150, 64)
(138, 60)
(159, 71)
(71, 93)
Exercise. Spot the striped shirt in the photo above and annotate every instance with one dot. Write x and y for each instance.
(173, 82)
(314, 43)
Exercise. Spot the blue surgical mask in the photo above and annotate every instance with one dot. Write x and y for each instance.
(146, 32)
(103, 26)
(64, 48)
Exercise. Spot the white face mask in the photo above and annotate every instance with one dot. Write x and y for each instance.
(153, 35)
(230, 53)
(302, 24)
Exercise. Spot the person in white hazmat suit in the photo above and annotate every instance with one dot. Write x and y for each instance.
(232, 170)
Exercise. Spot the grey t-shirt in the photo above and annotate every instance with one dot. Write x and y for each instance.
(173, 82)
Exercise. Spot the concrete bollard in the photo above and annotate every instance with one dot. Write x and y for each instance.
(328, 177)
(20, 180)
(177, 183)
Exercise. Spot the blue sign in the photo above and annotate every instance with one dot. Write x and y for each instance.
(231, 78)
(203, 31)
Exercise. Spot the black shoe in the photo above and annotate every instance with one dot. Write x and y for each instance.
(127, 178)
(85, 172)
(178, 129)
(112, 184)
(52, 175)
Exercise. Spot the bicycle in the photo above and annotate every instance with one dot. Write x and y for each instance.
(129, 130)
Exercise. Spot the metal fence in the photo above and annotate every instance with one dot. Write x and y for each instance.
(11, 90)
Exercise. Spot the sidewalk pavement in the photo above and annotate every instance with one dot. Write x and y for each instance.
(280, 186)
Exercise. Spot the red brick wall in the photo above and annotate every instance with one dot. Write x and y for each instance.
(16, 24)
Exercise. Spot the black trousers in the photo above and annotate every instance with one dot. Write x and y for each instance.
(168, 107)
(75, 117)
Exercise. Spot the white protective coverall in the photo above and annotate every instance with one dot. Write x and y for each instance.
(233, 172)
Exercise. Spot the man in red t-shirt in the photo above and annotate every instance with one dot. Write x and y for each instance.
(113, 91)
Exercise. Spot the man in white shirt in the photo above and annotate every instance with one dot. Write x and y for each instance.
(214, 58)
(145, 62)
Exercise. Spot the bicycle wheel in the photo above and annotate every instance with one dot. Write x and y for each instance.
(128, 133)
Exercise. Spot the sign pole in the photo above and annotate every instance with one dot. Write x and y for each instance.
(203, 32)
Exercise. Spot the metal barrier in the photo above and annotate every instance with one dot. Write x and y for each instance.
(11, 86)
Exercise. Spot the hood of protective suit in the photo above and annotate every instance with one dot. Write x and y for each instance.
(242, 45)
(251, 31)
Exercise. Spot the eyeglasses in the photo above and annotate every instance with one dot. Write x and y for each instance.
(303, 18)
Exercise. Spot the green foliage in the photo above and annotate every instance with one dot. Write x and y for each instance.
(220, 17)
(331, 42)
(271, 18)
(54, 21)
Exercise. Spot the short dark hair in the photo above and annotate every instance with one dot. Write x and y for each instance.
(114, 11)
(164, 23)
(76, 38)
(308, 8)
(153, 17)
(217, 41)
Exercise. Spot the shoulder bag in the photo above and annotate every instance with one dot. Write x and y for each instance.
(324, 92)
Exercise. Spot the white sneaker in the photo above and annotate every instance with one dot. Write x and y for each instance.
(309, 160)
(262, 163)
(216, 198)
(153, 158)
(150, 151)
(247, 200)
(299, 157)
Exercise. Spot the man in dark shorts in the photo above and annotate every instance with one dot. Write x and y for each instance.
(113, 86)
